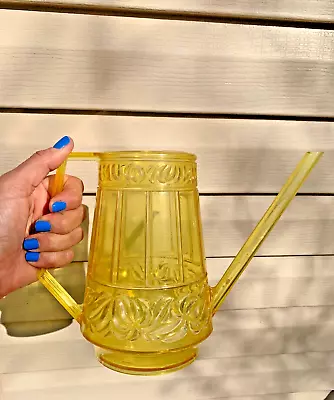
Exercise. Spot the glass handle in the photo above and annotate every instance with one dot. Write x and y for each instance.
(44, 276)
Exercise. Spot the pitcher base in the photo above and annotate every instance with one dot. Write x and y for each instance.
(146, 364)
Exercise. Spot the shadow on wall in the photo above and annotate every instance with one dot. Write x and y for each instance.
(33, 311)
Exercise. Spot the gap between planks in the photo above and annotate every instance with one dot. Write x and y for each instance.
(188, 15)
(162, 114)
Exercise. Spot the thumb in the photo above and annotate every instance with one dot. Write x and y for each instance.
(28, 175)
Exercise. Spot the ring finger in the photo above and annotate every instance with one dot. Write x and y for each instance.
(49, 242)
(50, 259)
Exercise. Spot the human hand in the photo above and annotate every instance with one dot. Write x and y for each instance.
(37, 231)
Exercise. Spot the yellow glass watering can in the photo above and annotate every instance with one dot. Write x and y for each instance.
(147, 302)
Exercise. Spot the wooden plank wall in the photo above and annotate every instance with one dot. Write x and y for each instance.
(290, 10)
(247, 86)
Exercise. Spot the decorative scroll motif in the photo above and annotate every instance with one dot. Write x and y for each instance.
(132, 273)
(167, 317)
(146, 174)
(162, 273)
(165, 273)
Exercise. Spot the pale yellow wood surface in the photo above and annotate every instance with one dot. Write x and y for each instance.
(234, 156)
(80, 61)
(196, 384)
(63, 363)
(306, 227)
(237, 334)
(223, 374)
(310, 10)
(274, 335)
(267, 282)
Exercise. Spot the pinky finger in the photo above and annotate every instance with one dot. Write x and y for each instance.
(50, 259)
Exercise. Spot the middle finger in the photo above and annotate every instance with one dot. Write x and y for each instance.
(61, 223)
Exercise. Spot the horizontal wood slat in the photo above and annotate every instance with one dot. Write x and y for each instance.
(234, 156)
(67, 349)
(161, 65)
(205, 379)
(294, 10)
(267, 282)
(184, 389)
(306, 227)
(319, 395)
(254, 339)
(226, 320)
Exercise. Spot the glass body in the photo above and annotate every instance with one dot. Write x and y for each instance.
(147, 302)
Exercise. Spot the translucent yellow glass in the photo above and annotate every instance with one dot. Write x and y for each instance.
(147, 303)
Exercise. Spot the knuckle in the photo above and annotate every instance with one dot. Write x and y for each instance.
(51, 260)
(59, 259)
(76, 236)
(40, 154)
(77, 185)
(82, 212)
(81, 234)
(69, 256)
(46, 241)
(64, 225)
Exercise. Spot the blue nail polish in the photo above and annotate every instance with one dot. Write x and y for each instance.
(30, 244)
(62, 143)
(42, 226)
(58, 206)
(32, 256)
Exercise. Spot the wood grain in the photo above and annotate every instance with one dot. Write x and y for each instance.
(162, 65)
(306, 228)
(205, 379)
(98, 376)
(295, 10)
(316, 395)
(245, 348)
(225, 320)
(267, 282)
(234, 156)
(67, 349)
(281, 304)
(271, 282)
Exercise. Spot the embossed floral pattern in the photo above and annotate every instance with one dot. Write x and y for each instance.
(162, 272)
(132, 271)
(185, 310)
(131, 174)
(165, 273)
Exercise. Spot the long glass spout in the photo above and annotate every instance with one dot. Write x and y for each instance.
(266, 224)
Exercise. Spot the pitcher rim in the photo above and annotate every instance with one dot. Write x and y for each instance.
(154, 155)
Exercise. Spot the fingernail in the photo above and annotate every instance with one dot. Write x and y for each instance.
(42, 226)
(58, 206)
(30, 244)
(32, 256)
(62, 143)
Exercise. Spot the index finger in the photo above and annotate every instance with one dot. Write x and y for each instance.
(70, 197)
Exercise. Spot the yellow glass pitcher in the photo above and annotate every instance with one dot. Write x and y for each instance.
(147, 302)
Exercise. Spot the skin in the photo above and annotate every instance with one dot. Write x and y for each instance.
(24, 199)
